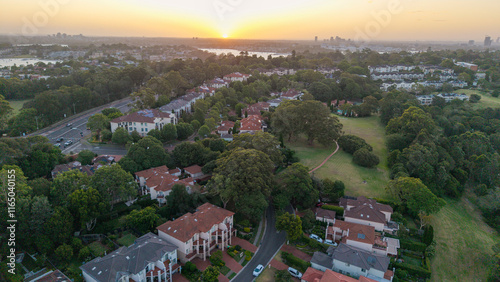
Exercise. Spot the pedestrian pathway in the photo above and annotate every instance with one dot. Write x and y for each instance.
(326, 158)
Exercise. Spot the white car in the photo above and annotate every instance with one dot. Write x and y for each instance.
(316, 237)
(294, 272)
(331, 243)
(258, 270)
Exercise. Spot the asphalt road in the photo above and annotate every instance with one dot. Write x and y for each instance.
(78, 130)
(270, 244)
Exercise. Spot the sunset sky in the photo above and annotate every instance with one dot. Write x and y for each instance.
(257, 19)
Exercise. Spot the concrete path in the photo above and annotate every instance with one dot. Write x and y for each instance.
(326, 158)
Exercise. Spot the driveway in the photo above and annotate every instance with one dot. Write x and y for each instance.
(271, 243)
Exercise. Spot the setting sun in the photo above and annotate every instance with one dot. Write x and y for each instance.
(224, 36)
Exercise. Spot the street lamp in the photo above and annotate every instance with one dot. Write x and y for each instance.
(74, 111)
(36, 118)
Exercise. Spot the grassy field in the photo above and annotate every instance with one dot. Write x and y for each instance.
(358, 180)
(486, 99)
(17, 105)
(464, 241)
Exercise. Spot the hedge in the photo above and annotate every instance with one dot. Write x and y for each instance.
(338, 210)
(295, 262)
(414, 270)
(411, 245)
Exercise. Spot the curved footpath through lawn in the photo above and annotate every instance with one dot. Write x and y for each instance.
(327, 158)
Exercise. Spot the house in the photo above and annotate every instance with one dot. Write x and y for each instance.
(48, 276)
(197, 234)
(325, 215)
(218, 83)
(251, 124)
(143, 121)
(314, 275)
(448, 97)
(106, 159)
(292, 94)
(275, 102)
(87, 169)
(150, 257)
(236, 76)
(354, 262)
(159, 181)
(192, 97)
(194, 171)
(368, 212)
(256, 109)
(176, 107)
(225, 127)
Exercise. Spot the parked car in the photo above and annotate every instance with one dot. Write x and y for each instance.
(316, 237)
(59, 139)
(69, 124)
(331, 243)
(58, 145)
(258, 270)
(294, 272)
(319, 204)
(69, 142)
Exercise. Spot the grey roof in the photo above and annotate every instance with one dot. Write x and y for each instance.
(322, 259)
(360, 258)
(174, 105)
(189, 97)
(128, 260)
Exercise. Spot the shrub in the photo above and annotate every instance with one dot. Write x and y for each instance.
(352, 143)
(474, 98)
(295, 262)
(413, 270)
(216, 259)
(247, 229)
(85, 254)
(338, 210)
(365, 158)
(238, 248)
(190, 267)
(413, 246)
(428, 235)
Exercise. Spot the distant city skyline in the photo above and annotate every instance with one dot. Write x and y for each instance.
(401, 20)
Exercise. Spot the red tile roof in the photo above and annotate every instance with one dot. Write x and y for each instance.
(225, 126)
(186, 226)
(251, 123)
(357, 232)
(152, 171)
(312, 274)
(194, 169)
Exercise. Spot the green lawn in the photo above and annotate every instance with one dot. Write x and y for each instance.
(126, 240)
(98, 248)
(358, 180)
(486, 99)
(17, 105)
(464, 241)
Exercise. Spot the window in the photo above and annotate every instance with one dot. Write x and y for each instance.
(347, 264)
(363, 270)
(146, 129)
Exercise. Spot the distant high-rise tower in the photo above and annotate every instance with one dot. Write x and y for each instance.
(316, 38)
(487, 41)
(331, 38)
(471, 42)
(498, 40)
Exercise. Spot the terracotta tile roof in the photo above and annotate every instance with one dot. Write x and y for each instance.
(186, 226)
(225, 126)
(388, 275)
(147, 116)
(194, 169)
(291, 93)
(152, 171)
(331, 276)
(357, 232)
(161, 182)
(251, 123)
(312, 274)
